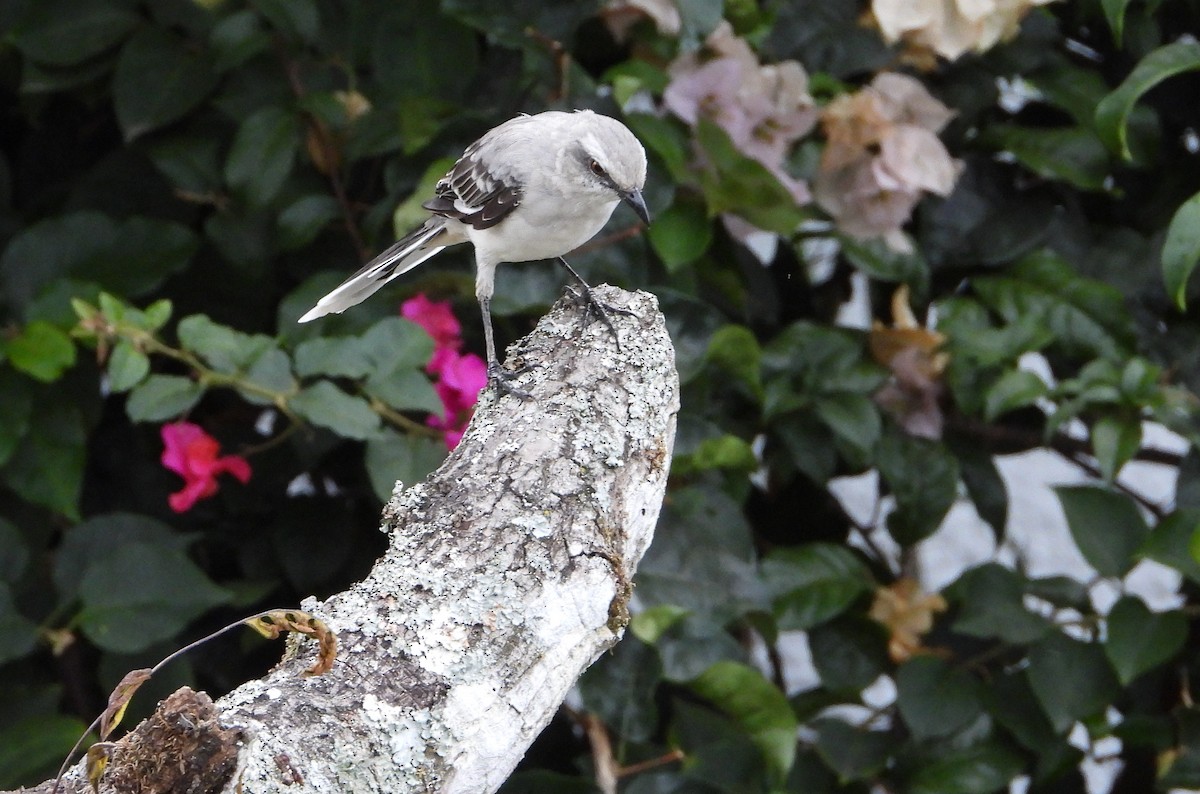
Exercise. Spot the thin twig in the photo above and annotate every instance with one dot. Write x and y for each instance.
(606, 766)
(651, 763)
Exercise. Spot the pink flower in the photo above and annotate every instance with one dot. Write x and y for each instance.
(436, 318)
(192, 454)
(460, 379)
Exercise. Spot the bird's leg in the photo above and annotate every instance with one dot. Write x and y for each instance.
(592, 304)
(498, 376)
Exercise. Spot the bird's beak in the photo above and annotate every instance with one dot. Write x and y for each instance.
(634, 199)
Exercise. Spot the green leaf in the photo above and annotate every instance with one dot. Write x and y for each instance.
(1112, 114)
(734, 349)
(262, 154)
(1106, 526)
(757, 706)
(1010, 699)
(1070, 154)
(127, 367)
(407, 458)
(813, 583)
(1084, 315)
(270, 371)
(650, 624)
(237, 38)
(406, 390)
(936, 699)
(1071, 679)
(67, 32)
(923, 477)
(328, 406)
(16, 406)
(880, 261)
(853, 753)
(735, 183)
(18, 631)
(32, 749)
(159, 79)
(1140, 640)
(1181, 250)
(849, 653)
(990, 600)
(727, 452)
(1016, 388)
(395, 343)
(1171, 543)
(681, 234)
(41, 351)
(84, 544)
(131, 258)
(47, 466)
(302, 220)
(665, 139)
(1115, 440)
(299, 19)
(14, 554)
(854, 418)
(692, 645)
(439, 57)
(162, 397)
(620, 689)
(225, 349)
(1114, 12)
(143, 593)
(979, 769)
(143, 252)
(340, 357)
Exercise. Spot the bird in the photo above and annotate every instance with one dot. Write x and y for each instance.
(534, 187)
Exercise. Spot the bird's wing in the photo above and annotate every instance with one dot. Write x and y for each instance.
(474, 193)
(403, 255)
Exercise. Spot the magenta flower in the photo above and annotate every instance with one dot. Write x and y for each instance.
(193, 455)
(436, 318)
(459, 377)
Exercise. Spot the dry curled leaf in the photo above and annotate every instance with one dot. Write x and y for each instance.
(913, 355)
(907, 613)
(272, 624)
(98, 756)
(119, 698)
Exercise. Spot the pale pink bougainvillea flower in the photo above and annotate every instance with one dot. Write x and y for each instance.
(883, 155)
(764, 109)
(459, 376)
(193, 455)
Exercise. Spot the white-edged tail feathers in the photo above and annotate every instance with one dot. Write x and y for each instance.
(424, 242)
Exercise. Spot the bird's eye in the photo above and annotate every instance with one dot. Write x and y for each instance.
(597, 169)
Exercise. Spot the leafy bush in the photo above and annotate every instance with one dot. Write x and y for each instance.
(1011, 198)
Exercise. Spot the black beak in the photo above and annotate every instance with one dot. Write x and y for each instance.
(634, 199)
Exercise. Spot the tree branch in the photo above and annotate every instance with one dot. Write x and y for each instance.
(508, 573)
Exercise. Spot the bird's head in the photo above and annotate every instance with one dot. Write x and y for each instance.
(609, 158)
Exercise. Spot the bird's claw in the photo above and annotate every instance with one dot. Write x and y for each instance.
(502, 378)
(593, 307)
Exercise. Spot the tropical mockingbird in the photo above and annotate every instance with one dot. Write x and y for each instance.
(534, 187)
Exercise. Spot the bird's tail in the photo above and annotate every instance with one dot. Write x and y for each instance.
(403, 255)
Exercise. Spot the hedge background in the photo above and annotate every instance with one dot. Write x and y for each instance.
(180, 180)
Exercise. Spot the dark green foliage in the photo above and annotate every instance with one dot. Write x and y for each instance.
(181, 179)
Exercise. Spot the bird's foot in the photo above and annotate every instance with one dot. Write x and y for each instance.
(502, 379)
(594, 308)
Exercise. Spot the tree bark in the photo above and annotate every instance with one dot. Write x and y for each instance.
(507, 574)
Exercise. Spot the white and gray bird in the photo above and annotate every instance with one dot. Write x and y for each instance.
(535, 187)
